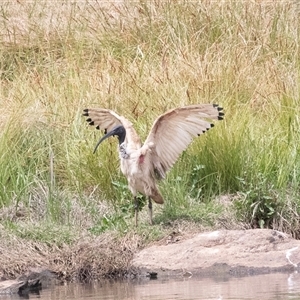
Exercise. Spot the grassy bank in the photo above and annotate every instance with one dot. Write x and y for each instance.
(141, 59)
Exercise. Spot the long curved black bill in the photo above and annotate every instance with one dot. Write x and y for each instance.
(104, 138)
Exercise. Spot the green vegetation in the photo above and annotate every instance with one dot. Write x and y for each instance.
(140, 59)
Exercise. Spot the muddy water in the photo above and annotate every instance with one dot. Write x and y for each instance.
(267, 287)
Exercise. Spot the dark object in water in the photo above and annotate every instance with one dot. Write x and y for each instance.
(151, 275)
(31, 282)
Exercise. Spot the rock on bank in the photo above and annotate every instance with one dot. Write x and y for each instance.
(237, 252)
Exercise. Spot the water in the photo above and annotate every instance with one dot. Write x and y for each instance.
(264, 287)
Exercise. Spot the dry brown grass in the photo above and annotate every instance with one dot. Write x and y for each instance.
(106, 256)
(90, 258)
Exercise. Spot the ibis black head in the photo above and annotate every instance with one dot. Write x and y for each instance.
(119, 131)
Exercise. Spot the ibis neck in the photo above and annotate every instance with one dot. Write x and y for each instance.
(121, 134)
(122, 151)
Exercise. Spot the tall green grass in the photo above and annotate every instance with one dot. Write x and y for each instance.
(141, 59)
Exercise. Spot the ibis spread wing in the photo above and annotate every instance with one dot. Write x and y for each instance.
(105, 119)
(173, 131)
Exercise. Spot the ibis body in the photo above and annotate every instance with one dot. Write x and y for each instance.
(171, 133)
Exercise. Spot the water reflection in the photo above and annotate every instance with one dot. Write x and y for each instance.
(268, 287)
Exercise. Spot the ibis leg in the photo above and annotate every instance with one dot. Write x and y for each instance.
(150, 210)
(136, 210)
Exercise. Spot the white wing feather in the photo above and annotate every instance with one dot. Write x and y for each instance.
(173, 131)
(105, 119)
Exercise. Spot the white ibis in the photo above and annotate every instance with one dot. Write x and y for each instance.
(171, 133)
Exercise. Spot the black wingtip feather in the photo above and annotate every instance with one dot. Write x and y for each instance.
(92, 123)
(89, 120)
(219, 109)
(98, 127)
(221, 115)
(85, 112)
(203, 131)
